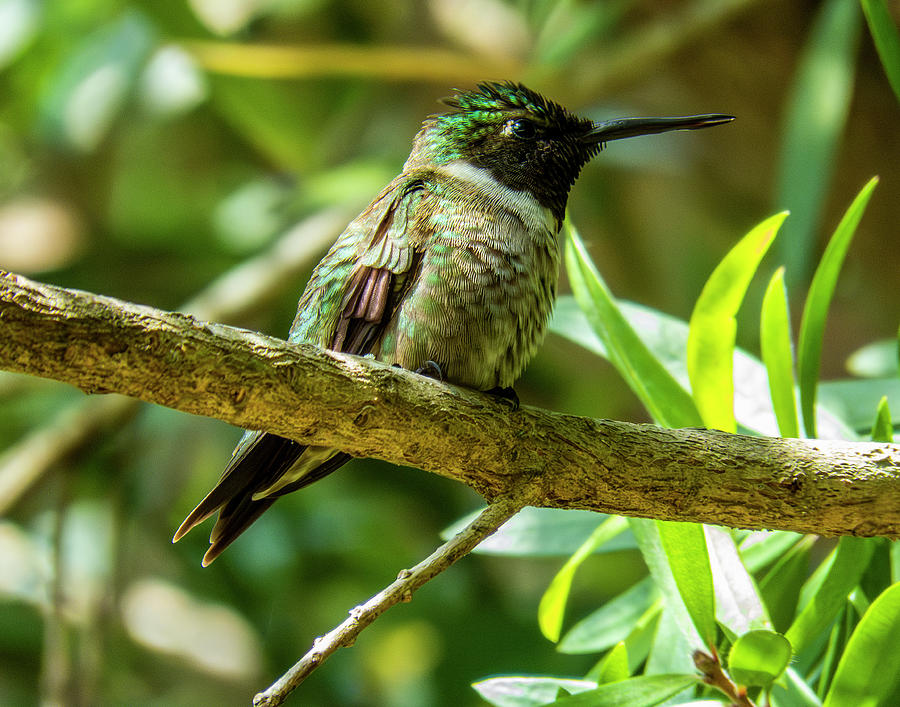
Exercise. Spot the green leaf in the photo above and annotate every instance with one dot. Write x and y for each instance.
(792, 691)
(824, 594)
(859, 601)
(895, 561)
(882, 428)
(543, 532)
(553, 604)
(639, 640)
(869, 673)
(887, 41)
(763, 547)
(642, 691)
(777, 354)
(686, 551)
(813, 124)
(758, 658)
(837, 640)
(738, 605)
(525, 691)
(713, 327)
(614, 666)
(666, 401)
(614, 621)
(649, 541)
(780, 586)
(673, 647)
(666, 338)
(812, 326)
(569, 322)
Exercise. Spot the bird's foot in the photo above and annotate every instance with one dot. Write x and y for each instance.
(505, 395)
(431, 370)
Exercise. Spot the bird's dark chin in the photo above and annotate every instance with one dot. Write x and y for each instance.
(592, 151)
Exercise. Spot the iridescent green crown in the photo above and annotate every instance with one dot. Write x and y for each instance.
(494, 97)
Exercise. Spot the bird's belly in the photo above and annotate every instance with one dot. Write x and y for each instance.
(479, 318)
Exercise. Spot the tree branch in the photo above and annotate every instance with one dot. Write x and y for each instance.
(369, 409)
(228, 298)
(401, 590)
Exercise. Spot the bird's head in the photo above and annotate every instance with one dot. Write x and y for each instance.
(526, 141)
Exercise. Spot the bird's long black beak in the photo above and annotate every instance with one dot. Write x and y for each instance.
(631, 127)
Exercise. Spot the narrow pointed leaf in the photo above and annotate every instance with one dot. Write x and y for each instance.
(763, 547)
(640, 639)
(883, 428)
(612, 622)
(666, 401)
(793, 691)
(710, 347)
(859, 601)
(887, 40)
(666, 338)
(688, 557)
(642, 691)
(869, 673)
(553, 604)
(834, 648)
(739, 607)
(673, 647)
(614, 666)
(812, 326)
(780, 586)
(895, 561)
(527, 691)
(814, 121)
(543, 532)
(648, 538)
(777, 354)
(825, 593)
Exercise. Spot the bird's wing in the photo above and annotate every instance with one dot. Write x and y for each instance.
(383, 258)
(361, 280)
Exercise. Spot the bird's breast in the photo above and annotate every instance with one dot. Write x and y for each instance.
(479, 303)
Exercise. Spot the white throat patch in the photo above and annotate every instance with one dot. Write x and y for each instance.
(521, 202)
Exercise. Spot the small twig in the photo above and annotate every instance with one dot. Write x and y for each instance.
(401, 590)
(714, 676)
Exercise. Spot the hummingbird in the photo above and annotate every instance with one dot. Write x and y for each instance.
(450, 272)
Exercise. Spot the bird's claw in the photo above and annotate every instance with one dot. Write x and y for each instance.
(431, 370)
(506, 395)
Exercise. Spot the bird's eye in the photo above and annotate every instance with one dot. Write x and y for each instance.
(522, 129)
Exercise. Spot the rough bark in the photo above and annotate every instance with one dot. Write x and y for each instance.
(231, 297)
(102, 345)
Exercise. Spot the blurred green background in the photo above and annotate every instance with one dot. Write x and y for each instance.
(147, 148)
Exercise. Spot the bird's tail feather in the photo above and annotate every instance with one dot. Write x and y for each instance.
(258, 462)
